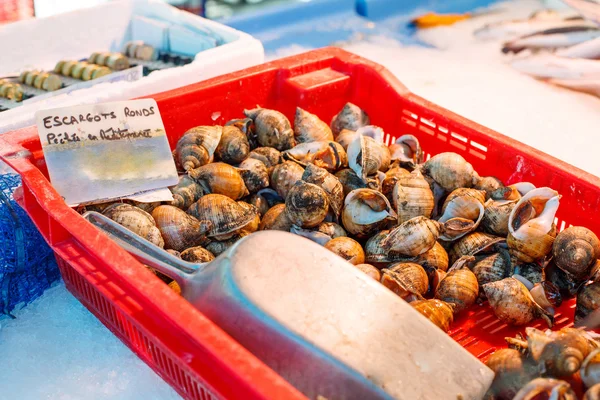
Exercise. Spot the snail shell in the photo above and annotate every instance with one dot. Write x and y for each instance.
(332, 229)
(179, 229)
(306, 205)
(531, 225)
(495, 218)
(329, 183)
(220, 178)
(367, 156)
(413, 237)
(246, 125)
(459, 286)
(347, 136)
(437, 311)
(370, 270)
(255, 174)
(284, 176)
(186, 192)
(450, 170)
(489, 184)
(546, 388)
(506, 361)
(462, 213)
(325, 154)
(412, 197)
(197, 255)
(563, 354)
(593, 393)
(404, 278)
(225, 214)
(590, 369)
(264, 199)
(347, 248)
(268, 156)
(588, 300)
(512, 303)
(472, 244)
(406, 149)
(197, 146)
(492, 268)
(233, 147)
(272, 128)
(435, 258)
(349, 180)
(565, 282)
(309, 128)
(276, 219)
(375, 253)
(513, 371)
(253, 225)
(575, 250)
(136, 220)
(365, 212)
(533, 272)
(392, 176)
(547, 295)
(218, 247)
(350, 117)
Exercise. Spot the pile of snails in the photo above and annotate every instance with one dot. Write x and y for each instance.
(541, 365)
(435, 233)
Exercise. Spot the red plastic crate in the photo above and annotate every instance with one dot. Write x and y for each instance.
(198, 359)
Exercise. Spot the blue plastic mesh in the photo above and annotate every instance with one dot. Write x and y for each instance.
(27, 264)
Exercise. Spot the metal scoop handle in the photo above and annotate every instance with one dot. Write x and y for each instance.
(144, 251)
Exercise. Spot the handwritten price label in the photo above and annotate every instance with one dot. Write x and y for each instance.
(105, 151)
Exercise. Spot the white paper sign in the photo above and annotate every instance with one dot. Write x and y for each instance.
(104, 151)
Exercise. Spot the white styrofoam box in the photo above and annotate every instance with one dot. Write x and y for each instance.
(41, 43)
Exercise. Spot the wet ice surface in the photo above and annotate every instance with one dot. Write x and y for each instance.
(473, 79)
(57, 350)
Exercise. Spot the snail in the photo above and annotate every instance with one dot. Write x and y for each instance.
(186, 192)
(136, 220)
(276, 219)
(533, 272)
(350, 117)
(472, 244)
(367, 156)
(306, 205)
(268, 156)
(366, 211)
(575, 251)
(512, 302)
(246, 125)
(392, 176)
(284, 176)
(233, 147)
(459, 286)
(406, 149)
(370, 270)
(492, 268)
(272, 128)
(461, 213)
(407, 280)
(197, 146)
(545, 388)
(590, 369)
(332, 229)
(588, 300)
(217, 247)
(435, 258)
(254, 223)
(349, 180)
(512, 372)
(220, 178)
(412, 197)
(437, 311)
(495, 218)
(593, 393)
(375, 253)
(197, 255)
(347, 248)
(450, 170)
(435, 277)
(255, 174)
(560, 353)
(567, 285)
(547, 296)
(531, 225)
(325, 154)
(265, 199)
(413, 237)
(347, 136)
(489, 184)
(179, 229)
(329, 183)
(226, 215)
(309, 128)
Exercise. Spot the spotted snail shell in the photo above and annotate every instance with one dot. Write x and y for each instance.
(367, 156)
(268, 156)
(412, 197)
(255, 174)
(225, 214)
(276, 219)
(365, 212)
(233, 147)
(325, 154)
(186, 192)
(459, 286)
(413, 237)
(450, 170)
(329, 183)
(350, 117)
(407, 149)
(347, 248)
(408, 280)
(347, 136)
(197, 255)
(437, 311)
(575, 251)
(306, 205)
(273, 129)
(197, 146)
(220, 178)
(179, 229)
(309, 128)
(284, 176)
(136, 220)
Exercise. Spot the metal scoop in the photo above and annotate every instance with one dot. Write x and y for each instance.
(322, 324)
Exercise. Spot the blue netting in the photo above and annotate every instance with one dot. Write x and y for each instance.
(27, 264)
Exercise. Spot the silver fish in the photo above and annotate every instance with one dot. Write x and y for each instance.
(589, 50)
(511, 29)
(551, 39)
(590, 9)
(550, 66)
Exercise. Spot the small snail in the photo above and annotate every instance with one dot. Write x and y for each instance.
(276, 219)
(217, 247)
(407, 280)
(588, 300)
(547, 296)
(325, 154)
(370, 271)
(136, 220)
(459, 286)
(512, 372)
(255, 174)
(492, 268)
(434, 258)
(186, 192)
(220, 178)
(392, 176)
(413, 237)
(533, 272)
(349, 180)
(546, 388)
(489, 184)
(197, 255)
(309, 128)
(197, 146)
(272, 128)
(179, 229)
(462, 213)
(366, 211)
(233, 147)
(347, 248)
(225, 215)
(495, 218)
(412, 197)
(375, 253)
(284, 176)
(367, 156)
(347, 136)
(437, 311)
(450, 170)
(268, 156)
(406, 149)
(575, 250)
(350, 117)
(306, 205)
(329, 183)
(472, 244)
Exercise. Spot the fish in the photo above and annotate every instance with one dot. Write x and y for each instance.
(551, 39)
(589, 50)
(589, 9)
(550, 66)
(589, 86)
